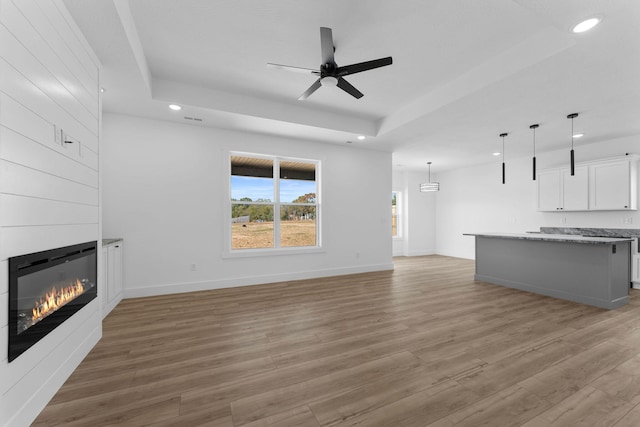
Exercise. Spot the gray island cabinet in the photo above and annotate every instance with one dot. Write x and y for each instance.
(588, 270)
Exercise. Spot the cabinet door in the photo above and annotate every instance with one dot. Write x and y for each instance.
(575, 189)
(549, 190)
(111, 275)
(104, 277)
(117, 270)
(610, 186)
(635, 269)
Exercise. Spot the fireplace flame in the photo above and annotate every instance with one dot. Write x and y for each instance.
(55, 299)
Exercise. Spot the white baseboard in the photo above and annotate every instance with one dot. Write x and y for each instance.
(174, 288)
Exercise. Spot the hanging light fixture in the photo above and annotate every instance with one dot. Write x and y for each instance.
(534, 127)
(502, 135)
(573, 163)
(430, 186)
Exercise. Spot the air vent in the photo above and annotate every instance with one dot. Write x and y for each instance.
(195, 119)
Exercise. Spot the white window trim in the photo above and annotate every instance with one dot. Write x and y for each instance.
(227, 252)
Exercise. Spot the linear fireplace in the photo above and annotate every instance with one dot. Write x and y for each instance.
(45, 289)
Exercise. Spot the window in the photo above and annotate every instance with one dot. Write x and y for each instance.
(395, 214)
(274, 202)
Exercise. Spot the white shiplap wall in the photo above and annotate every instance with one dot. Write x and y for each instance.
(49, 190)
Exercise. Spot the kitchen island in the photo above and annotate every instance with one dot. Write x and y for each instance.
(588, 270)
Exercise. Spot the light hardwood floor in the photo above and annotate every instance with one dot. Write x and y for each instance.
(422, 345)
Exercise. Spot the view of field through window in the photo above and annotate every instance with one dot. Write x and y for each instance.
(257, 215)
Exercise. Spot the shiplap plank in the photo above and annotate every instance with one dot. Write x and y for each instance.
(13, 28)
(54, 61)
(89, 157)
(24, 91)
(16, 241)
(59, 344)
(86, 93)
(68, 33)
(4, 274)
(18, 149)
(4, 338)
(18, 179)
(24, 211)
(4, 309)
(24, 121)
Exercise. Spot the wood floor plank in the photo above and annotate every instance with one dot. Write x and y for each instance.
(423, 344)
(630, 419)
(564, 379)
(512, 406)
(622, 382)
(587, 407)
(259, 406)
(297, 417)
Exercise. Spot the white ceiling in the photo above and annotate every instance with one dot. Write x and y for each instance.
(463, 71)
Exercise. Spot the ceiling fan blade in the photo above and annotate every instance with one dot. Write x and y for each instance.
(309, 91)
(294, 69)
(348, 87)
(326, 45)
(364, 66)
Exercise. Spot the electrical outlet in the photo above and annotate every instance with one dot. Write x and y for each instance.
(627, 220)
(564, 219)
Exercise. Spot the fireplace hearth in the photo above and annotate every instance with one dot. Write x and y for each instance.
(45, 289)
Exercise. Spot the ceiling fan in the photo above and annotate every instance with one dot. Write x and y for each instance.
(330, 74)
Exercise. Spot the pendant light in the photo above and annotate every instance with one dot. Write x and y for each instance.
(573, 163)
(430, 186)
(502, 135)
(534, 127)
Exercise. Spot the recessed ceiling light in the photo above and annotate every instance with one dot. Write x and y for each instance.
(497, 153)
(361, 137)
(175, 107)
(578, 135)
(102, 90)
(586, 25)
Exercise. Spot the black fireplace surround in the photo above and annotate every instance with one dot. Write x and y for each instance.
(45, 289)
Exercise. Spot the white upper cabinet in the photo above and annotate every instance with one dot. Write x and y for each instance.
(549, 195)
(559, 191)
(610, 184)
(575, 189)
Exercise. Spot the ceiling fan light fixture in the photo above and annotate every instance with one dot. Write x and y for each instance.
(329, 81)
(586, 25)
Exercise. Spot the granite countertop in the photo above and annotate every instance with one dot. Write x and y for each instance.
(568, 238)
(593, 232)
(111, 241)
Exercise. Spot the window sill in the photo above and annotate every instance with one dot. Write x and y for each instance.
(249, 253)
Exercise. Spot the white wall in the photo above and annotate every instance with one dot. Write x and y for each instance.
(49, 80)
(417, 215)
(474, 199)
(164, 192)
